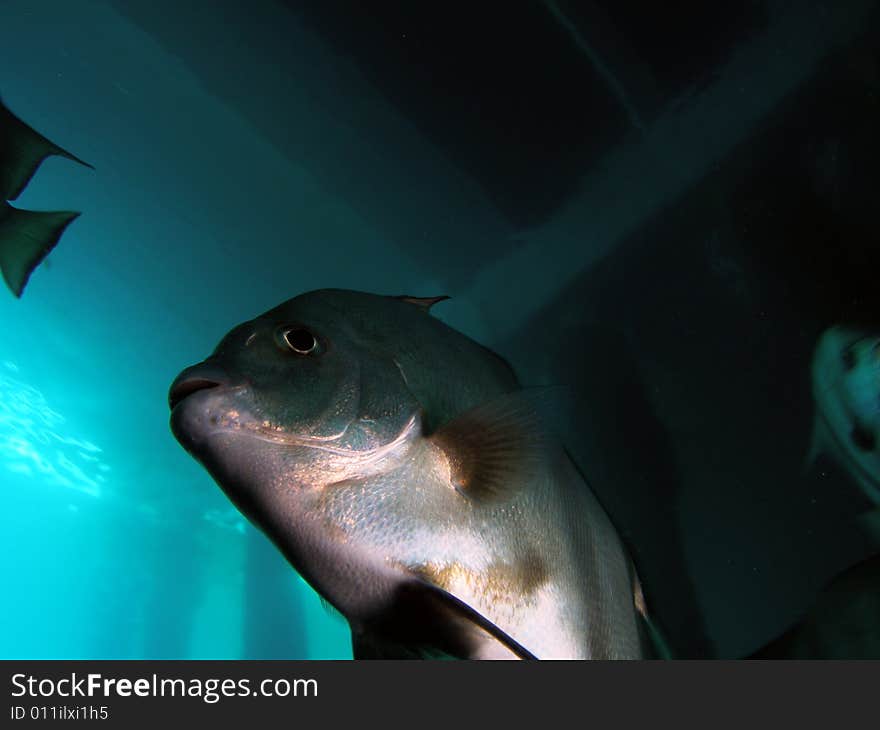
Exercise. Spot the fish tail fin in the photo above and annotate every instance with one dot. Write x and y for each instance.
(22, 151)
(26, 238)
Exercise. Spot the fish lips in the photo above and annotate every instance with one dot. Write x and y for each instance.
(199, 399)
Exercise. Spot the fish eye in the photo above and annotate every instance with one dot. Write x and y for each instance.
(848, 357)
(300, 340)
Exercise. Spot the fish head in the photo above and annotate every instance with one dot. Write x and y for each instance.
(402, 471)
(295, 391)
(846, 389)
(327, 390)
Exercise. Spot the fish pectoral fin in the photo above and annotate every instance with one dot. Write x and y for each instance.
(26, 238)
(370, 646)
(496, 448)
(22, 151)
(426, 622)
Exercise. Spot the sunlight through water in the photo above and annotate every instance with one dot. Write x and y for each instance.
(35, 443)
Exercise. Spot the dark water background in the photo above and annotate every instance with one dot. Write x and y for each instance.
(659, 206)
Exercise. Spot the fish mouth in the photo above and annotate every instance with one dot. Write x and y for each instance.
(193, 380)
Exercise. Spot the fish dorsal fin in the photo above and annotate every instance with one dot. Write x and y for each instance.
(426, 622)
(22, 151)
(495, 448)
(26, 238)
(424, 303)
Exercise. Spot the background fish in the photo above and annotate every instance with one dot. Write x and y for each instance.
(843, 622)
(403, 472)
(846, 390)
(26, 237)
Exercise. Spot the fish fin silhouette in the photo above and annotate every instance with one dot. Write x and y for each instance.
(22, 151)
(369, 646)
(426, 622)
(843, 622)
(26, 238)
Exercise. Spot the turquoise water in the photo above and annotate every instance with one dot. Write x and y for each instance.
(679, 281)
(115, 543)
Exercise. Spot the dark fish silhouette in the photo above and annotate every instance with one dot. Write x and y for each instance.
(843, 623)
(26, 236)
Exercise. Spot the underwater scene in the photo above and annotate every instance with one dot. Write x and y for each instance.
(539, 329)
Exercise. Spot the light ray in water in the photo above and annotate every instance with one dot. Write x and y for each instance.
(35, 443)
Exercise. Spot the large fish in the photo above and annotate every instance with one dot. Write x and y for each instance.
(846, 390)
(401, 469)
(26, 236)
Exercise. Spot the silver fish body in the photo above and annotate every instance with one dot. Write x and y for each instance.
(401, 470)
